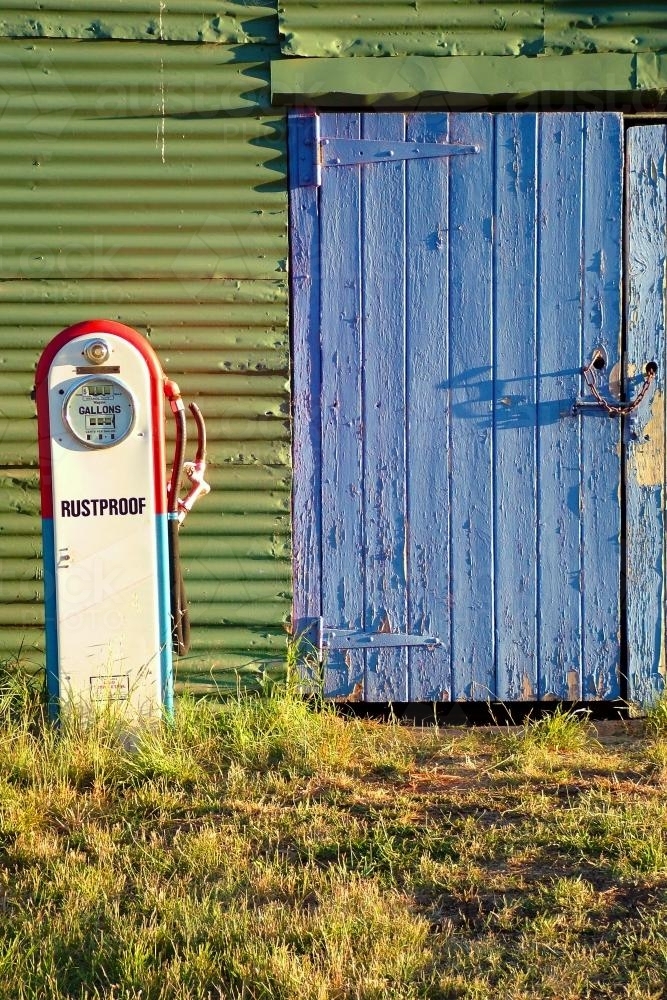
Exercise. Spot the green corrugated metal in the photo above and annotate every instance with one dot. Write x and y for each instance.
(468, 27)
(123, 160)
(146, 183)
(475, 82)
(578, 26)
(403, 27)
(141, 20)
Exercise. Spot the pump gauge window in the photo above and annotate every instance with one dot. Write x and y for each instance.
(99, 411)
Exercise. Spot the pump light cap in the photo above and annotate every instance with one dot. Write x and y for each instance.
(96, 352)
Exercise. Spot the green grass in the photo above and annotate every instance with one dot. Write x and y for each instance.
(266, 851)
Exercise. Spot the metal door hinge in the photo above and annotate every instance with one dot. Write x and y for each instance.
(309, 152)
(354, 638)
(348, 152)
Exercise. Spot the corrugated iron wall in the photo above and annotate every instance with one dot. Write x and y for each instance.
(146, 183)
(469, 27)
(142, 177)
(235, 21)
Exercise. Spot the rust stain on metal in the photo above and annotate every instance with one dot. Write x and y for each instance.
(357, 693)
(573, 689)
(527, 691)
(649, 451)
(615, 381)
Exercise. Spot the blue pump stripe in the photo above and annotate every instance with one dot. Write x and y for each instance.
(164, 613)
(50, 616)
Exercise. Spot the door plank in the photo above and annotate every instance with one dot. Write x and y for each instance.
(428, 412)
(306, 381)
(514, 406)
(559, 347)
(645, 438)
(384, 407)
(602, 255)
(470, 387)
(341, 408)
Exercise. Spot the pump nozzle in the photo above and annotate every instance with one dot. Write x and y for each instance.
(173, 394)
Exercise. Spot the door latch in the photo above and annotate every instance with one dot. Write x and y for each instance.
(591, 373)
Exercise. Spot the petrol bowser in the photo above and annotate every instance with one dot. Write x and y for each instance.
(114, 600)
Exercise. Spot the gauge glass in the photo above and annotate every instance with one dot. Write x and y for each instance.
(99, 411)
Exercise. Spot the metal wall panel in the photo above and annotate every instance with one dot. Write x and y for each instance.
(235, 546)
(146, 184)
(402, 27)
(605, 27)
(165, 163)
(141, 20)
(462, 27)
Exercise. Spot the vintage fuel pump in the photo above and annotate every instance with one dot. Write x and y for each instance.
(114, 599)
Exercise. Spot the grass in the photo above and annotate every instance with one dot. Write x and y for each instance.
(269, 852)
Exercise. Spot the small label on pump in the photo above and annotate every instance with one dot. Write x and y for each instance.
(115, 687)
(99, 506)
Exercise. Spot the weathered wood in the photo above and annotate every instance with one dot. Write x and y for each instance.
(427, 415)
(645, 439)
(559, 359)
(470, 391)
(601, 267)
(342, 410)
(307, 377)
(384, 407)
(461, 496)
(515, 406)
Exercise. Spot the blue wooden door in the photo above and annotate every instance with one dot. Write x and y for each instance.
(457, 519)
(644, 436)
